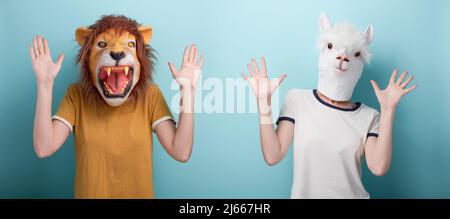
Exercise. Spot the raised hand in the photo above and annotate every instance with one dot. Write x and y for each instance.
(190, 69)
(261, 85)
(390, 97)
(43, 66)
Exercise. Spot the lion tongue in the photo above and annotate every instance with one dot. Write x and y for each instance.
(117, 82)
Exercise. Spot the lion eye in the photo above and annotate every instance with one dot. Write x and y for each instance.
(357, 54)
(101, 44)
(131, 44)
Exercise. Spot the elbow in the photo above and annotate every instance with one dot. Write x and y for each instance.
(183, 159)
(40, 152)
(379, 171)
(271, 161)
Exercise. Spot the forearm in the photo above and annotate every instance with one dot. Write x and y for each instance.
(43, 128)
(382, 153)
(184, 133)
(270, 143)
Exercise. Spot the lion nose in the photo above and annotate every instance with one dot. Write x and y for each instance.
(117, 55)
(343, 58)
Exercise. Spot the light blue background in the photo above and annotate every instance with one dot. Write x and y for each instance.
(227, 160)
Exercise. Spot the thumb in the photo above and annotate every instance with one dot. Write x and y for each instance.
(173, 70)
(279, 80)
(59, 62)
(375, 86)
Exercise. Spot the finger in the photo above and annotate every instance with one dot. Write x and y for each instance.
(409, 89)
(40, 45)
(402, 76)
(279, 80)
(59, 61)
(250, 70)
(195, 55)
(191, 53)
(244, 76)
(46, 47)
(263, 66)
(32, 55)
(173, 70)
(375, 86)
(185, 55)
(200, 62)
(393, 76)
(255, 66)
(404, 84)
(35, 47)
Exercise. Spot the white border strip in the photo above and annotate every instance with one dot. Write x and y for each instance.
(67, 123)
(162, 119)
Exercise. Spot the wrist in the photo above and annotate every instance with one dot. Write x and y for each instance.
(45, 84)
(388, 109)
(266, 118)
(187, 87)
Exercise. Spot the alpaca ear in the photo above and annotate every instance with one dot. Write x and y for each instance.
(324, 22)
(146, 32)
(369, 34)
(81, 35)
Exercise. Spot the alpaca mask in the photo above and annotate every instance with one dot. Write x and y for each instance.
(343, 52)
(114, 58)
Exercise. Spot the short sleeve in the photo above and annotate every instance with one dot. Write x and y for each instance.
(67, 108)
(288, 109)
(374, 126)
(159, 110)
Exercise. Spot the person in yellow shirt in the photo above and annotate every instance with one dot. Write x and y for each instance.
(113, 109)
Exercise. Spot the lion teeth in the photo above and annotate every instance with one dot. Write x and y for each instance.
(126, 68)
(108, 71)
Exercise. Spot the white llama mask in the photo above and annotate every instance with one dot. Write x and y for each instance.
(343, 52)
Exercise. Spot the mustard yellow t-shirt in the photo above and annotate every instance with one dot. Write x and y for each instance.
(113, 144)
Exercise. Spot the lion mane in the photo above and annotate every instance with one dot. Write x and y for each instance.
(145, 54)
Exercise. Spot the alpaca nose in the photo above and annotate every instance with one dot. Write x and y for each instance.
(117, 55)
(343, 58)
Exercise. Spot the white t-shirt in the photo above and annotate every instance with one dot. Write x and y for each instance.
(328, 145)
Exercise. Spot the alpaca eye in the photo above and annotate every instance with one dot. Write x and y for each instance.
(131, 44)
(357, 54)
(101, 44)
(330, 46)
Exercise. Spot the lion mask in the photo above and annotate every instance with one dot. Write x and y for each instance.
(115, 59)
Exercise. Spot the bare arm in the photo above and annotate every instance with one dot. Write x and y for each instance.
(178, 141)
(48, 135)
(274, 143)
(379, 150)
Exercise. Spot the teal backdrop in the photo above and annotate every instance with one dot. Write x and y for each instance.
(227, 161)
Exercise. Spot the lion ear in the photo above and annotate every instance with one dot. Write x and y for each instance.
(81, 34)
(146, 32)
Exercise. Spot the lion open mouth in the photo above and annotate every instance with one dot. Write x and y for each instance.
(116, 81)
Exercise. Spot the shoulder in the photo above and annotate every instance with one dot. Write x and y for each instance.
(152, 90)
(369, 111)
(153, 94)
(74, 90)
(298, 93)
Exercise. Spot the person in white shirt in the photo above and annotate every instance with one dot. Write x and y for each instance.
(330, 133)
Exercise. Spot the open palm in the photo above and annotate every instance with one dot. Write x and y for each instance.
(190, 68)
(261, 85)
(43, 66)
(395, 90)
